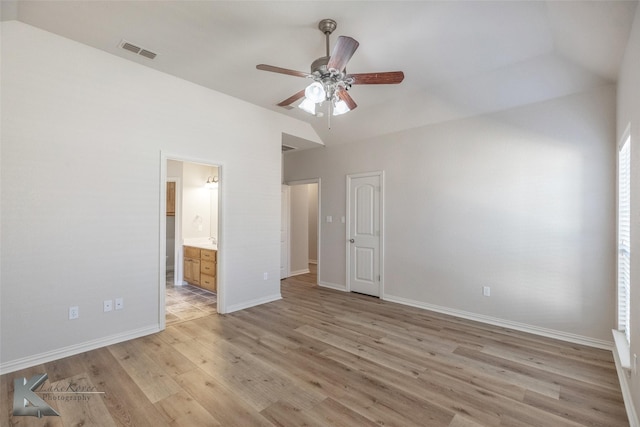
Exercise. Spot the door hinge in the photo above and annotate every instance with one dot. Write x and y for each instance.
(378, 277)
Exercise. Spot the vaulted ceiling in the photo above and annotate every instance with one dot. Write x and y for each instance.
(460, 58)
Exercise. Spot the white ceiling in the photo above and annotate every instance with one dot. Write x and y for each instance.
(460, 58)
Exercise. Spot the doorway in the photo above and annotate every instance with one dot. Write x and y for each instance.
(365, 233)
(303, 231)
(190, 229)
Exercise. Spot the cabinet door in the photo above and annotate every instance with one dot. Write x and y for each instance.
(188, 271)
(196, 271)
(171, 198)
(192, 271)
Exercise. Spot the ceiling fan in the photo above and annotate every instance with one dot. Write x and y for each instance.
(330, 79)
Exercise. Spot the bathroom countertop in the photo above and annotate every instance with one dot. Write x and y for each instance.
(199, 243)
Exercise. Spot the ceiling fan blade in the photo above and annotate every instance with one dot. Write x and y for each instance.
(387, 78)
(290, 100)
(342, 53)
(344, 96)
(265, 67)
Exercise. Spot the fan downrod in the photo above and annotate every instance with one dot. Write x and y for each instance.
(327, 26)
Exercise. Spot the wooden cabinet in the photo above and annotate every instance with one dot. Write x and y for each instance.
(192, 265)
(208, 269)
(171, 199)
(200, 267)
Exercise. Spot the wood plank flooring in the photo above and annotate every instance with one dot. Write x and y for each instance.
(321, 357)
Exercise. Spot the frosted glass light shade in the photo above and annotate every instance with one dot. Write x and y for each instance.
(340, 107)
(315, 92)
(308, 106)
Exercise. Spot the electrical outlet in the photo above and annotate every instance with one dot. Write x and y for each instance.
(74, 312)
(119, 303)
(265, 276)
(486, 291)
(108, 305)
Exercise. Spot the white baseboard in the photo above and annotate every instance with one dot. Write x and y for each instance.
(523, 327)
(38, 359)
(299, 272)
(335, 286)
(623, 377)
(253, 303)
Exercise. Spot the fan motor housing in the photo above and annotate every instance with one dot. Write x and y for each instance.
(320, 65)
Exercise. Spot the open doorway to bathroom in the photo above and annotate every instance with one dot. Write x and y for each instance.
(191, 243)
(304, 231)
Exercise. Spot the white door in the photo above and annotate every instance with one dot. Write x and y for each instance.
(284, 233)
(364, 233)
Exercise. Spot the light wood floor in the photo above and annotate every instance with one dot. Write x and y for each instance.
(321, 357)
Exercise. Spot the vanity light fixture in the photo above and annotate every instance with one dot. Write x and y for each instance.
(212, 182)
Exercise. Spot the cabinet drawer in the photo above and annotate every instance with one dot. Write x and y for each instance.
(191, 252)
(208, 282)
(208, 267)
(208, 255)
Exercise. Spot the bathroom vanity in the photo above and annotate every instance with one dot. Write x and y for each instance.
(200, 266)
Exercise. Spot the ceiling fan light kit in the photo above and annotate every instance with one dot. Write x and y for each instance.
(315, 92)
(308, 105)
(340, 107)
(330, 79)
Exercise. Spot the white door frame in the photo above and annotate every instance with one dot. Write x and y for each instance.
(221, 303)
(285, 217)
(379, 174)
(303, 182)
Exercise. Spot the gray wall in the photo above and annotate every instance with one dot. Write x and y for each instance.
(83, 133)
(521, 200)
(304, 227)
(299, 231)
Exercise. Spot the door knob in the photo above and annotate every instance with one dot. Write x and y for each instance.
(352, 240)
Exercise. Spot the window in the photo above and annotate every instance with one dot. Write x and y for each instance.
(624, 235)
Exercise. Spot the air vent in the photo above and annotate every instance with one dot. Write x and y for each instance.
(287, 148)
(130, 47)
(137, 49)
(147, 54)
